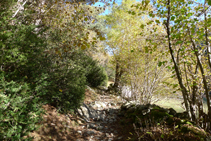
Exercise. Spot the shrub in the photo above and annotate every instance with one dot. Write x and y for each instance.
(19, 110)
(64, 88)
(95, 74)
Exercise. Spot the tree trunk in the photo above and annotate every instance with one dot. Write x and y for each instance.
(118, 75)
(202, 73)
(183, 88)
(206, 36)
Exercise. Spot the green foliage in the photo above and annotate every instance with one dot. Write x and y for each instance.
(35, 71)
(64, 88)
(23, 52)
(19, 110)
(95, 74)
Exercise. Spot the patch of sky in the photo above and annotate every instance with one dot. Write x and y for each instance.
(107, 5)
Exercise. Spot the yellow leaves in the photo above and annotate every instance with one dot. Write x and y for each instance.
(102, 38)
(67, 2)
(93, 20)
(83, 47)
(60, 90)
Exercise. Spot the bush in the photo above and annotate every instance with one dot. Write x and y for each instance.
(64, 88)
(95, 74)
(19, 110)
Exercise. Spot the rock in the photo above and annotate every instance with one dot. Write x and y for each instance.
(100, 104)
(102, 117)
(100, 127)
(195, 130)
(79, 122)
(67, 126)
(80, 132)
(102, 88)
(91, 125)
(172, 112)
(84, 111)
(113, 104)
(53, 124)
(128, 105)
(146, 111)
(90, 89)
(107, 135)
(90, 132)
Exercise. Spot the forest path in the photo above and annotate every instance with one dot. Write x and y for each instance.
(99, 120)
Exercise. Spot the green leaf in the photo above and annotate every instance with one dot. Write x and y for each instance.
(149, 133)
(131, 133)
(146, 49)
(142, 26)
(162, 136)
(189, 122)
(209, 2)
(172, 18)
(157, 21)
(133, 13)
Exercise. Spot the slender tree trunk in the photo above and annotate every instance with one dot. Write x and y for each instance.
(183, 88)
(202, 73)
(191, 103)
(206, 36)
(194, 91)
(118, 75)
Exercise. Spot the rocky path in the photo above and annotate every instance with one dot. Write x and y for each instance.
(98, 119)
(101, 119)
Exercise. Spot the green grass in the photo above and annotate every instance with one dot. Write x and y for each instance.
(174, 103)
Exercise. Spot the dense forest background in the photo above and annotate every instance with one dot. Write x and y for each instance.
(50, 50)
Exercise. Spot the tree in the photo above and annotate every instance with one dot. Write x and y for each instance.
(140, 66)
(186, 33)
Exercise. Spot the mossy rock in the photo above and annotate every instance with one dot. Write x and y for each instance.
(157, 114)
(195, 130)
(183, 115)
(172, 112)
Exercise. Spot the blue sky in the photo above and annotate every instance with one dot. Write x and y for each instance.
(101, 4)
(107, 10)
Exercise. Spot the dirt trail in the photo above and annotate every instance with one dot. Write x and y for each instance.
(104, 123)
